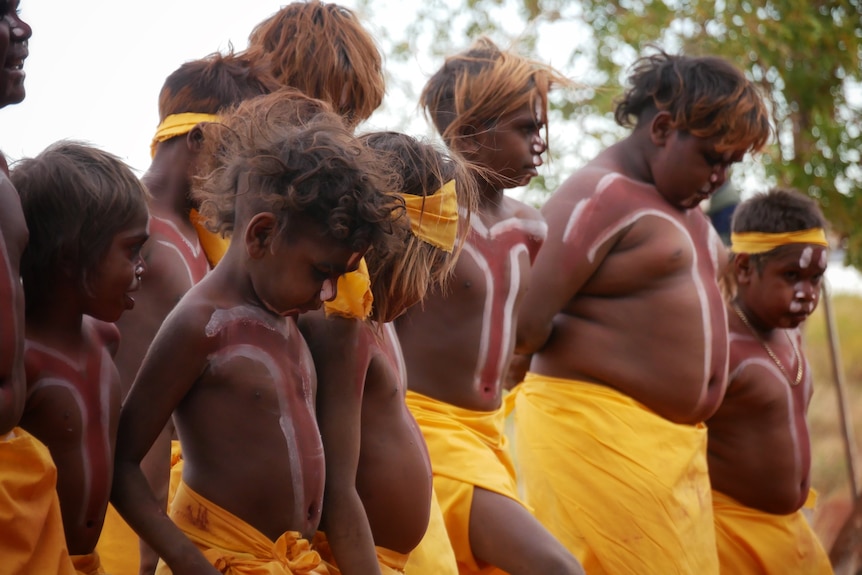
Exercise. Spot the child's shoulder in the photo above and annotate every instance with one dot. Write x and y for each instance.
(105, 334)
(522, 210)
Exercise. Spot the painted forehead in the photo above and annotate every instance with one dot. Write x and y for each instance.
(804, 256)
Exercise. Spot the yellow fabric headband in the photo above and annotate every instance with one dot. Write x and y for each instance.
(434, 219)
(177, 125)
(760, 242)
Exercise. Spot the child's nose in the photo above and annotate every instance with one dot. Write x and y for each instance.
(329, 289)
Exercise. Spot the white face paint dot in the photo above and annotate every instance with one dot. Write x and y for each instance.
(823, 259)
(805, 258)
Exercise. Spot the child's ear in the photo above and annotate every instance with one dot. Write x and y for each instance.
(195, 139)
(743, 268)
(660, 128)
(260, 234)
(469, 141)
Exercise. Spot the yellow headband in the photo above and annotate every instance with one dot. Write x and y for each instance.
(760, 242)
(434, 219)
(177, 125)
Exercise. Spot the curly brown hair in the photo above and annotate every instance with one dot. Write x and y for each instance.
(298, 158)
(706, 96)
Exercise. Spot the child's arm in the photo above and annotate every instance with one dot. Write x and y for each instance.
(341, 361)
(175, 361)
(565, 262)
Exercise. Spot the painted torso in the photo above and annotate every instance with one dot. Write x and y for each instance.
(167, 234)
(649, 319)
(394, 475)
(248, 428)
(72, 407)
(759, 446)
(465, 361)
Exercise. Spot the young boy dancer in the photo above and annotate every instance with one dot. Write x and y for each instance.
(490, 107)
(87, 215)
(379, 483)
(302, 203)
(759, 448)
(628, 327)
(180, 251)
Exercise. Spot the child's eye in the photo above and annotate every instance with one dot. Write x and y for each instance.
(791, 275)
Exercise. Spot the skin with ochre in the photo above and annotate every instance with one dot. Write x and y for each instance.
(759, 446)
(628, 292)
(242, 391)
(377, 463)
(13, 239)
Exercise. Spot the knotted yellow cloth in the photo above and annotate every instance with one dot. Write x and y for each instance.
(391, 562)
(119, 546)
(176, 125)
(32, 541)
(89, 564)
(623, 489)
(757, 543)
(214, 245)
(468, 449)
(236, 548)
(434, 554)
(353, 299)
(761, 242)
(434, 218)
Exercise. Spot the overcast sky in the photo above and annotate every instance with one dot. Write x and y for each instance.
(95, 68)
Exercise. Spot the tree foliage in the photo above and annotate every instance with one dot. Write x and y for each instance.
(805, 54)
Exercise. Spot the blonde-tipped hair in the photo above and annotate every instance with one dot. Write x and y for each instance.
(324, 51)
(403, 277)
(474, 88)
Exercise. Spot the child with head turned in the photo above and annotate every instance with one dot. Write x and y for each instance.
(490, 107)
(759, 447)
(378, 490)
(627, 326)
(302, 202)
(181, 250)
(322, 50)
(87, 216)
(32, 532)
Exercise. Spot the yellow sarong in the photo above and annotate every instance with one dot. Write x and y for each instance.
(32, 541)
(236, 548)
(118, 546)
(89, 564)
(434, 554)
(468, 449)
(391, 562)
(625, 490)
(757, 543)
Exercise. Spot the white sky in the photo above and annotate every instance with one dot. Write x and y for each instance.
(95, 69)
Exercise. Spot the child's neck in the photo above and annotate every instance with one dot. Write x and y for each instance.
(169, 187)
(56, 323)
(490, 197)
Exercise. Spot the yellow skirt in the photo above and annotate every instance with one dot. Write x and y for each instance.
(625, 490)
(468, 449)
(757, 543)
(32, 541)
(236, 548)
